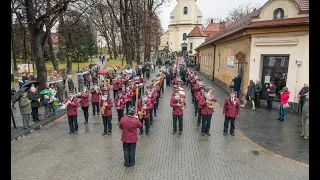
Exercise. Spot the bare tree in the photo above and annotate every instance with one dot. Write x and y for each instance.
(241, 11)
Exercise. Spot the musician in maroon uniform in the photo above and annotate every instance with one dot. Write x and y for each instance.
(72, 111)
(129, 96)
(177, 113)
(85, 102)
(115, 87)
(231, 109)
(196, 89)
(129, 125)
(157, 99)
(105, 87)
(106, 113)
(120, 103)
(192, 81)
(145, 104)
(206, 112)
(95, 96)
(152, 100)
(154, 97)
(198, 96)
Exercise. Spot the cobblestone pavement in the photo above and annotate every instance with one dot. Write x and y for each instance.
(262, 127)
(51, 153)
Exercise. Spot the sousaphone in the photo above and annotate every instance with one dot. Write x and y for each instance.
(128, 69)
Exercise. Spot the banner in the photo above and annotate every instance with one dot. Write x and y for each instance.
(230, 60)
(25, 68)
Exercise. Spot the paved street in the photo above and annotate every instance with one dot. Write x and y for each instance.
(51, 153)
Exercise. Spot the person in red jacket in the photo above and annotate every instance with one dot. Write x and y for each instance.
(206, 112)
(120, 103)
(196, 89)
(95, 96)
(177, 112)
(84, 96)
(106, 113)
(129, 95)
(115, 87)
(129, 125)
(198, 95)
(72, 111)
(231, 109)
(284, 97)
(154, 98)
(145, 104)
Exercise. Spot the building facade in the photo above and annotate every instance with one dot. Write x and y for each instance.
(275, 42)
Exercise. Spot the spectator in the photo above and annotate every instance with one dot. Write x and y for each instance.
(250, 95)
(258, 89)
(302, 97)
(25, 109)
(46, 101)
(35, 99)
(70, 83)
(305, 118)
(271, 93)
(237, 84)
(55, 103)
(20, 83)
(13, 92)
(284, 97)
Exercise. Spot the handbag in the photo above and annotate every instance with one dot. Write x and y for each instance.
(272, 95)
(286, 105)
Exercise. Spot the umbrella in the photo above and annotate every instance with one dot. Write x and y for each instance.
(102, 71)
(29, 83)
(92, 65)
(45, 91)
(17, 95)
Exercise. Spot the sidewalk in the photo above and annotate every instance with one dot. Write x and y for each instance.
(262, 127)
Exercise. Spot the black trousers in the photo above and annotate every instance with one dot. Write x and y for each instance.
(129, 150)
(95, 105)
(146, 124)
(199, 115)
(226, 124)
(238, 93)
(86, 113)
(168, 83)
(206, 122)
(195, 107)
(34, 113)
(120, 114)
(269, 103)
(151, 116)
(155, 109)
(257, 99)
(107, 126)
(187, 81)
(73, 123)
(192, 93)
(162, 88)
(128, 104)
(175, 118)
(115, 92)
(157, 99)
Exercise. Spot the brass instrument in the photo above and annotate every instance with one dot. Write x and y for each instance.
(142, 112)
(103, 105)
(107, 81)
(181, 101)
(210, 103)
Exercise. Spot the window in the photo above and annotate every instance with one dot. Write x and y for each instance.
(184, 37)
(191, 48)
(278, 14)
(185, 10)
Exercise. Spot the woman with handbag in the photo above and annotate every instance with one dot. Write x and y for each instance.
(250, 95)
(284, 97)
(271, 93)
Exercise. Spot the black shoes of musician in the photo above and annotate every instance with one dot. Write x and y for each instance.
(109, 133)
(70, 132)
(202, 133)
(281, 119)
(126, 165)
(141, 132)
(173, 132)
(85, 122)
(198, 124)
(148, 133)
(208, 133)
(180, 132)
(232, 134)
(195, 114)
(104, 133)
(225, 133)
(155, 115)
(75, 132)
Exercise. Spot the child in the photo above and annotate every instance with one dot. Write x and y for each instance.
(20, 82)
(46, 101)
(55, 105)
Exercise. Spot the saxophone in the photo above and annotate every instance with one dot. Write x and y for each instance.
(104, 102)
(142, 112)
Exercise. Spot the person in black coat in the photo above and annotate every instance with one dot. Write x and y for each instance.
(250, 95)
(13, 92)
(168, 78)
(258, 87)
(35, 99)
(237, 84)
(302, 96)
(70, 83)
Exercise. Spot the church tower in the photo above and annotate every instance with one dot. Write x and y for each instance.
(184, 17)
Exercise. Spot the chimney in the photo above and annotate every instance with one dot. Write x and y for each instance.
(211, 20)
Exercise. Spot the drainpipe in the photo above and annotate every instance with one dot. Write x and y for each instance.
(214, 61)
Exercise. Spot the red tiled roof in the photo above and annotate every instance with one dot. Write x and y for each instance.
(280, 22)
(197, 32)
(303, 5)
(213, 27)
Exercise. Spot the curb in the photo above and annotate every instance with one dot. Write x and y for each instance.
(38, 126)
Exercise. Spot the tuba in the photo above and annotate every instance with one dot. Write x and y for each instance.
(107, 81)
(181, 101)
(104, 100)
(128, 69)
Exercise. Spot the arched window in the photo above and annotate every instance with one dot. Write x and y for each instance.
(278, 14)
(184, 37)
(185, 10)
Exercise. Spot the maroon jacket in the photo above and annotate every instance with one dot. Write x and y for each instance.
(107, 110)
(204, 108)
(231, 109)
(84, 99)
(149, 106)
(72, 109)
(154, 97)
(198, 96)
(95, 95)
(122, 103)
(115, 85)
(129, 127)
(272, 89)
(196, 87)
(176, 109)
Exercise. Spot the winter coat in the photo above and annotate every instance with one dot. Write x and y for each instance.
(25, 105)
(176, 109)
(251, 90)
(72, 109)
(34, 99)
(272, 89)
(129, 127)
(46, 102)
(70, 85)
(231, 109)
(107, 110)
(302, 92)
(237, 83)
(20, 84)
(284, 97)
(204, 108)
(84, 99)
(95, 95)
(258, 88)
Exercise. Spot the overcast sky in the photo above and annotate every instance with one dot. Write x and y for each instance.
(209, 8)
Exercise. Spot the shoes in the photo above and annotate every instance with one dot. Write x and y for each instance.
(174, 132)
(301, 135)
(195, 114)
(70, 132)
(202, 133)
(253, 109)
(180, 132)
(198, 124)
(140, 132)
(225, 133)
(150, 124)
(208, 133)
(76, 132)
(85, 122)
(104, 133)
(148, 133)
(131, 165)
(126, 165)
(279, 118)
(305, 137)
(232, 134)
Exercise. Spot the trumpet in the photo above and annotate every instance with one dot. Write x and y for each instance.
(142, 112)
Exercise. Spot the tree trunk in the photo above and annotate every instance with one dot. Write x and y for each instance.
(13, 48)
(113, 39)
(53, 57)
(108, 45)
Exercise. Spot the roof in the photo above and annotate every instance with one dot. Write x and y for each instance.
(213, 27)
(303, 5)
(280, 22)
(197, 32)
(236, 26)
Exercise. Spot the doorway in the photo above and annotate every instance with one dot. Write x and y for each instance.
(275, 68)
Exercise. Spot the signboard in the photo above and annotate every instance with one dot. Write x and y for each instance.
(230, 61)
(25, 68)
(267, 79)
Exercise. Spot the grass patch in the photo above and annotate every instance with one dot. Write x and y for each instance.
(114, 62)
